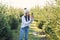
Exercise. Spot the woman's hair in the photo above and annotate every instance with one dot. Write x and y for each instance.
(27, 17)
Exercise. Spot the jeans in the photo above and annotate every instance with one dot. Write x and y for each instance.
(24, 32)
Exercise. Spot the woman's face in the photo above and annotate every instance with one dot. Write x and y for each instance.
(27, 14)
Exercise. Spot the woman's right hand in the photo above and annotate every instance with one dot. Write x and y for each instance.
(32, 17)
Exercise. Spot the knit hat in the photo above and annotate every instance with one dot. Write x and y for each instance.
(26, 10)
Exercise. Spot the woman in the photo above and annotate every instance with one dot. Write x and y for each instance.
(26, 21)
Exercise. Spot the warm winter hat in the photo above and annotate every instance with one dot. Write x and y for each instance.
(26, 10)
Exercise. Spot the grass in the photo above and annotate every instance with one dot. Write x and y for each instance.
(16, 33)
(31, 36)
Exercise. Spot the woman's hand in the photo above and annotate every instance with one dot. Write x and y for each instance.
(32, 17)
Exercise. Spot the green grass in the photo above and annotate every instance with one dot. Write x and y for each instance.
(31, 36)
(16, 33)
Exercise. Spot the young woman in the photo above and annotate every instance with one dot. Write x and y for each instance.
(26, 21)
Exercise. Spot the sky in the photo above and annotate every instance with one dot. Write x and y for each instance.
(27, 3)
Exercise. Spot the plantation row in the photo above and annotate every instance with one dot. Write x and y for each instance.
(47, 19)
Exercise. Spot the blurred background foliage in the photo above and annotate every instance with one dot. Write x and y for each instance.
(46, 19)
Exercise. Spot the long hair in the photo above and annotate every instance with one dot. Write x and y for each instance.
(27, 17)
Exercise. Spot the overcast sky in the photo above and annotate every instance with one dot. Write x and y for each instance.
(26, 3)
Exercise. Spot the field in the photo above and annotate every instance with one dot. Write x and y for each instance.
(46, 22)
